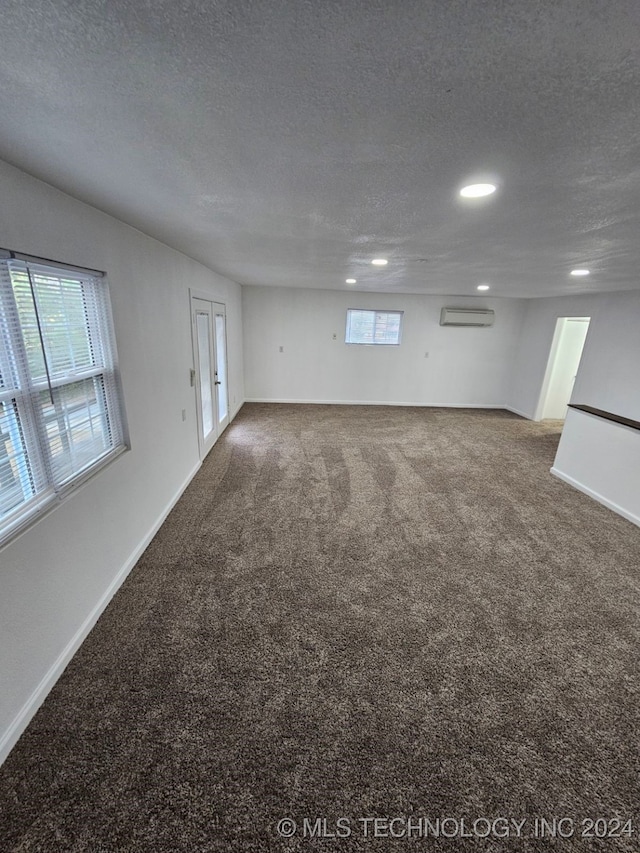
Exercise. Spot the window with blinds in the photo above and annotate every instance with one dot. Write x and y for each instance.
(60, 411)
(373, 327)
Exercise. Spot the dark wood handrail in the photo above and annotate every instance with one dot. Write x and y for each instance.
(608, 416)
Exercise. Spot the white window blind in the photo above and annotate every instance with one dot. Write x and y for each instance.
(60, 413)
(373, 327)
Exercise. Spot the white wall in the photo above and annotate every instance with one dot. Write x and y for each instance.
(601, 459)
(607, 378)
(56, 576)
(531, 356)
(465, 367)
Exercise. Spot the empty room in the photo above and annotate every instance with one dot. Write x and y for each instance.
(319, 426)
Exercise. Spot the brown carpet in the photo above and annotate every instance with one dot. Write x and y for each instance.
(353, 612)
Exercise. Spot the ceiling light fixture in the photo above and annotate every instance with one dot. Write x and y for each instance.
(579, 272)
(379, 262)
(483, 287)
(477, 190)
(351, 281)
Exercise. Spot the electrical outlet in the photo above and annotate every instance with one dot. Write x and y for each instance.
(281, 349)
(335, 337)
(184, 414)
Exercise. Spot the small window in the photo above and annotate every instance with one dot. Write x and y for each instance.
(60, 411)
(373, 327)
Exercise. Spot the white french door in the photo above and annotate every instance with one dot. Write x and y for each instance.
(210, 362)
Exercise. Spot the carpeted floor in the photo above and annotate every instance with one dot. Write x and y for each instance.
(353, 613)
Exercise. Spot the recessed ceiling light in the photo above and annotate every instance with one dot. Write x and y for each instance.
(483, 287)
(379, 262)
(351, 281)
(477, 190)
(579, 272)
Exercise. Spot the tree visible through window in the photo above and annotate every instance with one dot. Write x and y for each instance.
(373, 327)
(60, 413)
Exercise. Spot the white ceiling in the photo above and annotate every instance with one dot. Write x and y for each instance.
(289, 142)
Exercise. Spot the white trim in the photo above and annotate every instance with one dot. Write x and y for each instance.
(518, 412)
(378, 403)
(24, 716)
(235, 411)
(634, 519)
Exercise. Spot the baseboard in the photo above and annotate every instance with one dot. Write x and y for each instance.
(620, 510)
(518, 412)
(376, 403)
(28, 710)
(236, 410)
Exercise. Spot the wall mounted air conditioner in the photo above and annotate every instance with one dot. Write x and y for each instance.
(466, 317)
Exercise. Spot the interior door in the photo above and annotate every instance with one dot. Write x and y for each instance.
(210, 363)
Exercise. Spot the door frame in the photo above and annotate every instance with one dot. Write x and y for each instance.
(551, 359)
(222, 423)
(201, 307)
(204, 446)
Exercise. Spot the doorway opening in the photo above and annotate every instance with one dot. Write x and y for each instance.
(562, 367)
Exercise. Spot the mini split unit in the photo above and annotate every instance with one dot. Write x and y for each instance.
(466, 317)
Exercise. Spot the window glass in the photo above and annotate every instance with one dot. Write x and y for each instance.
(60, 411)
(373, 327)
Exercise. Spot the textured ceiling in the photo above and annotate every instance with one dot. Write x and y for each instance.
(289, 142)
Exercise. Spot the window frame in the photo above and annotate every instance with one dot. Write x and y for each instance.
(375, 312)
(31, 452)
